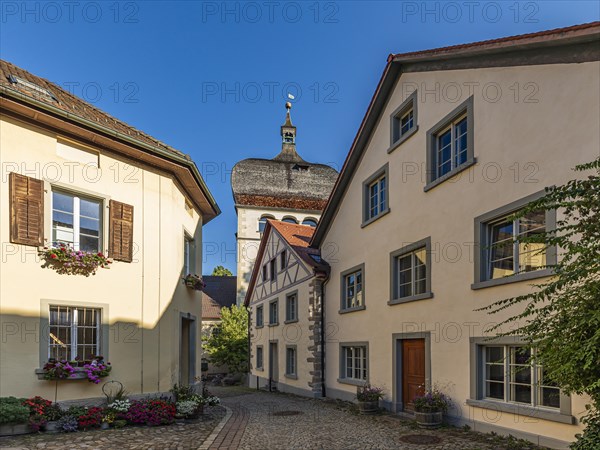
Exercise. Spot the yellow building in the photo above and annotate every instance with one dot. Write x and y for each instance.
(454, 141)
(72, 174)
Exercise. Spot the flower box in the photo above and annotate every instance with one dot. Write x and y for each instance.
(13, 429)
(78, 374)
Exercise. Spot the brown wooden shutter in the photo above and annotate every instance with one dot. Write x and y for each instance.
(121, 231)
(26, 210)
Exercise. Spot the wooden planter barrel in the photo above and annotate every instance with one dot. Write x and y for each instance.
(13, 429)
(429, 419)
(367, 408)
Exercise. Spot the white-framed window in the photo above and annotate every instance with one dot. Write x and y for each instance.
(505, 255)
(290, 361)
(411, 273)
(188, 252)
(290, 219)
(273, 313)
(291, 307)
(353, 290)
(376, 200)
(259, 316)
(354, 363)
(451, 146)
(76, 221)
(74, 332)
(259, 357)
(509, 376)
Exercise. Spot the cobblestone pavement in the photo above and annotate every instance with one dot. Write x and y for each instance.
(279, 421)
(185, 436)
(269, 421)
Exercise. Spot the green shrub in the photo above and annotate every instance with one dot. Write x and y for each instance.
(12, 410)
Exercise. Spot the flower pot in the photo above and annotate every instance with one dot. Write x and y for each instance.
(429, 419)
(12, 429)
(367, 408)
(52, 426)
(104, 426)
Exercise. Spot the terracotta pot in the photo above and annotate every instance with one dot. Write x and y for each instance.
(429, 419)
(368, 407)
(12, 429)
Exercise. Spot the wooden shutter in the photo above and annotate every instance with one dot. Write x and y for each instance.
(121, 231)
(26, 210)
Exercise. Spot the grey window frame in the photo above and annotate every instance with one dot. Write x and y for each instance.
(342, 363)
(276, 322)
(287, 307)
(262, 358)
(481, 226)
(383, 172)
(466, 109)
(294, 374)
(343, 309)
(477, 347)
(423, 243)
(396, 137)
(261, 315)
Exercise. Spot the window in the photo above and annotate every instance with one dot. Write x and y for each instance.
(501, 257)
(354, 363)
(273, 313)
(259, 357)
(74, 332)
(410, 268)
(259, 316)
(450, 145)
(76, 221)
(265, 273)
(310, 222)
(506, 256)
(403, 121)
(262, 223)
(375, 196)
(188, 247)
(283, 260)
(290, 360)
(291, 307)
(32, 87)
(352, 288)
(289, 220)
(509, 376)
(273, 264)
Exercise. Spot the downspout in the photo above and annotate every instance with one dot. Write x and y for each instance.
(323, 278)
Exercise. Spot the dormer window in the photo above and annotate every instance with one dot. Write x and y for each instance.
(300, 167)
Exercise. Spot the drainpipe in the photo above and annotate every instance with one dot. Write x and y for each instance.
(323, 278)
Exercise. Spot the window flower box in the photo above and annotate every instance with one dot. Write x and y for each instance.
(92, 370)
(194, 282)
(66, 260)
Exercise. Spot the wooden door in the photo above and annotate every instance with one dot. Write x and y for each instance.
(413, 370)
(273, 363)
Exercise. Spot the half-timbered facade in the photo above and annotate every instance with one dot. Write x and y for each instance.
(284, 298)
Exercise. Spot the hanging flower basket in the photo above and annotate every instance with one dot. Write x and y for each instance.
(65, 260)
(194, 282)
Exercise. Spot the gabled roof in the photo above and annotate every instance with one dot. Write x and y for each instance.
(298, 238)
(575, 44)
(26, 95)
(211, 309)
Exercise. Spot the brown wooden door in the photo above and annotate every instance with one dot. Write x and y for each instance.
(413, 370)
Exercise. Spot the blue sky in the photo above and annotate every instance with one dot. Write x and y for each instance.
(210, 78)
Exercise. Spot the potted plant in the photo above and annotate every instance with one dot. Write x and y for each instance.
(14, 417)
(430, 408)
(193, 281)
(108, 418)
(52, 414)
(66, 260)
(368, 398)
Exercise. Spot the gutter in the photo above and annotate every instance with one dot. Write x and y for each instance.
(323, 280)
(181, 160)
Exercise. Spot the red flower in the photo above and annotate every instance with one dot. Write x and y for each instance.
(53, 256)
